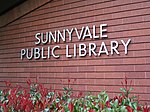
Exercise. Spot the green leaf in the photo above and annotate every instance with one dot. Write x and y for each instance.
(46, 110)
(65, 88)
(130, 89)
(102, 93)
(123, 101)
(57, 100)
(134, 105)
(123, 90)
(106, 98)
(123, 109)
(1, 92)
(116, 103)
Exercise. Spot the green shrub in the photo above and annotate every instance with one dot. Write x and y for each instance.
(37, 98)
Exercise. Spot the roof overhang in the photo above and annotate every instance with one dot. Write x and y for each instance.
(6, 5)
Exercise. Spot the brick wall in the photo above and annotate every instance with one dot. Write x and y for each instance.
(126, 19)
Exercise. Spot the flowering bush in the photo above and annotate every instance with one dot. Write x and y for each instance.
(37, 98)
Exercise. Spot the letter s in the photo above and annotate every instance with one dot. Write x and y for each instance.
(36, 36)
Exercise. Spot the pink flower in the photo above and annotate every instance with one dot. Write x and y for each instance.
(29, 82)
(91, 110)
(7, 83)
(129, 109)
(71, 106)
(108, 104)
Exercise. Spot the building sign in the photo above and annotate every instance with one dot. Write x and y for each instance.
(81, 49)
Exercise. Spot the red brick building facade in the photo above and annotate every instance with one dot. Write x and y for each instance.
(125, 19)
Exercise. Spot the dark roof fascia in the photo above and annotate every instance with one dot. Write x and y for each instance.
(6, 5)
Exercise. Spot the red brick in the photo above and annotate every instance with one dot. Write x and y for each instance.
(125, 19)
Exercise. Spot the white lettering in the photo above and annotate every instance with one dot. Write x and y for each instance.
(29, 54)
(53, 51)
(103, 49)
(81, 33)
(42, 52)
(126, 45)
(51, 37)
(103, 30)
(23, 52)
(70, 34)
(36, 53)
(87, 33)
(114, 46)
(94, 32)
(67, 52)
(63, 37)
(36, 36)
(82, 50)
(92, 48)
